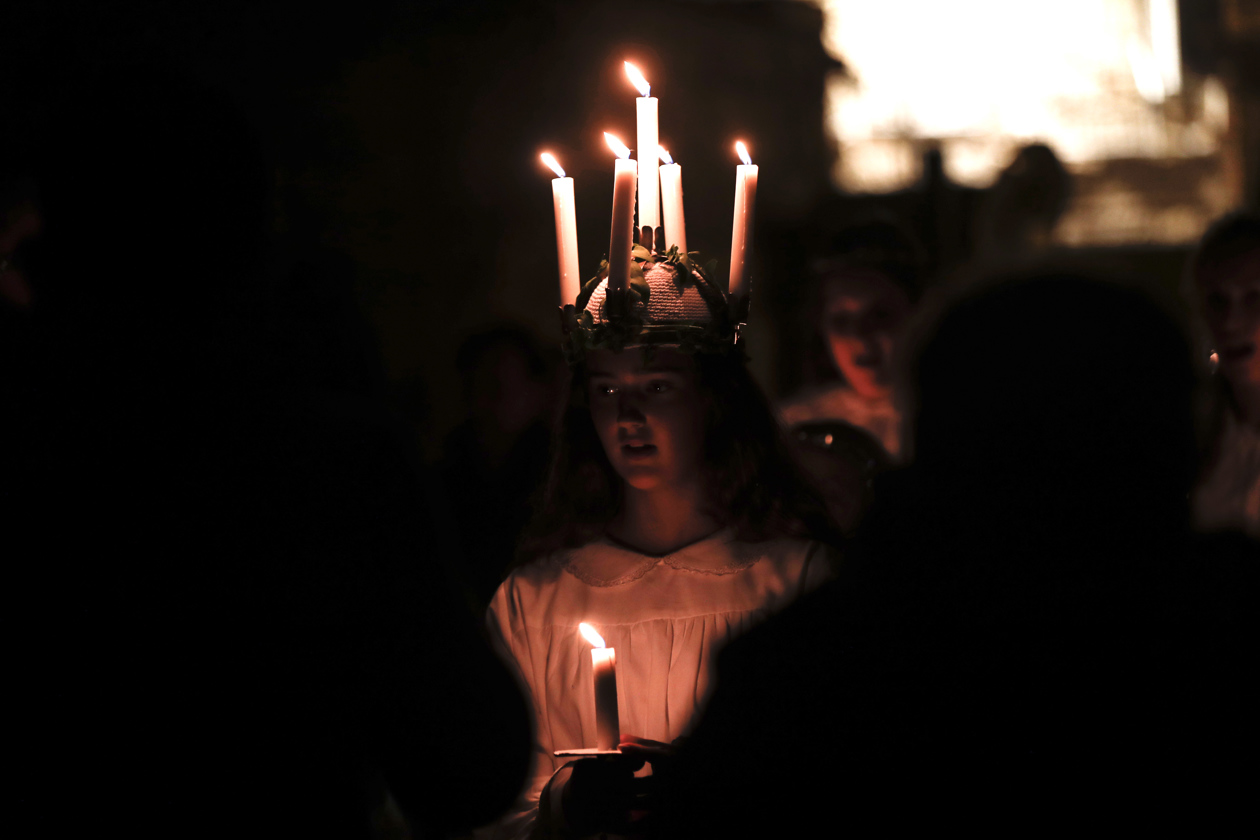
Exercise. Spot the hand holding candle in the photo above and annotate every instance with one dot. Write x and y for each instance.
(645, 107)
(566, 231)
(672, 202)
(604, 666)
(624, 175)
(742, 230)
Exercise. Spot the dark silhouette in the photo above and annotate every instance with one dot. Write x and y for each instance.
(1025, 634)
(843, 461)
(234, 616)
(495, 459)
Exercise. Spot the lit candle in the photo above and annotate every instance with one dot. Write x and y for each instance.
(566, 231)
(672, 203)
(741, 231)
(624, 176)
(604, 669)
(649, 212)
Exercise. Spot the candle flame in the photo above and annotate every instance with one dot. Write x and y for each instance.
(664, 155)
(743, 152)
(617, 146)
(588, 633)
(550, 159)
(637, 78)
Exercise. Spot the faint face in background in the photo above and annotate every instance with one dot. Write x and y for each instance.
(503, 393)
(1230, 296)
(862, 317)
(648, 414)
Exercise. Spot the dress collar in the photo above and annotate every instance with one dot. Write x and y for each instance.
(606, 562)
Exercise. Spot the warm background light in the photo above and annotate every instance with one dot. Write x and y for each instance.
(1098, 81)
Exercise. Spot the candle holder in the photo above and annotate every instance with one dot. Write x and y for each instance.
(585, 752)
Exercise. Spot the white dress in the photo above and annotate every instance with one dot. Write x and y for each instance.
(666, 617)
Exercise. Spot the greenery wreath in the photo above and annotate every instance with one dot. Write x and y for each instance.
(621, 322)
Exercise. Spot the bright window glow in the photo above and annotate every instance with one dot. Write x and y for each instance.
(1093, 79)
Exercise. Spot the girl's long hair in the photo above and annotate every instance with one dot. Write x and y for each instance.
(754, 484)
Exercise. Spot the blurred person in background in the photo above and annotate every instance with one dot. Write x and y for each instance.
(1224, 274)
(494, 460)
(224, 548)
(1019, 213)
(844, 462)
(865, 289)
(1026, 634)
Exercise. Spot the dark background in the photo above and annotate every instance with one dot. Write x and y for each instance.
(404, 141)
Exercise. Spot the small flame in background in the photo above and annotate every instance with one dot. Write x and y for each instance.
(588, 633)
(549, 159)
(664, 155)
(1215, 359)
(637, 78)
(617, 146)
(742, 150)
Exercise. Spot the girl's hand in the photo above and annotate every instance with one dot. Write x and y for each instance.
(601, 793)
(652, 752)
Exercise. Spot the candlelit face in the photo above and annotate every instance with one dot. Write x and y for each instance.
(649, 415)
(1230, 296)
(863, 314)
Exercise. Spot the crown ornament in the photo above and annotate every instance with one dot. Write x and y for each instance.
(649, 289)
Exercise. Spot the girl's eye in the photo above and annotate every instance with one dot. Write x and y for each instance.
(658, 387)
(604, 390)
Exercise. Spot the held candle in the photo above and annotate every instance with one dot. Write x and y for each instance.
(624, 176)
(604, 669)
(742, 230)
(672, 203)
(645, 109)
(566, 231)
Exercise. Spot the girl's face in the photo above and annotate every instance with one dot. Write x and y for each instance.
(863, 313)
(1230, 294)
(648, 414)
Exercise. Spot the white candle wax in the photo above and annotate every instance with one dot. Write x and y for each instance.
(742, 230)
(566, 239)
(649, 212)
(619, 244)
(607, 726)
(672, 205)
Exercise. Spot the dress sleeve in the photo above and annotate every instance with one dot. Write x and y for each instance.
(507, 634)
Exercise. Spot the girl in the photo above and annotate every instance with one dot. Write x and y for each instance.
(671, 521)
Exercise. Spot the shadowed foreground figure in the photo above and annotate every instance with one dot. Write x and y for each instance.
(1026, 633)
(232, 616)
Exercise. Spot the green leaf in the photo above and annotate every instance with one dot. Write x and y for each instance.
(638, 252)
